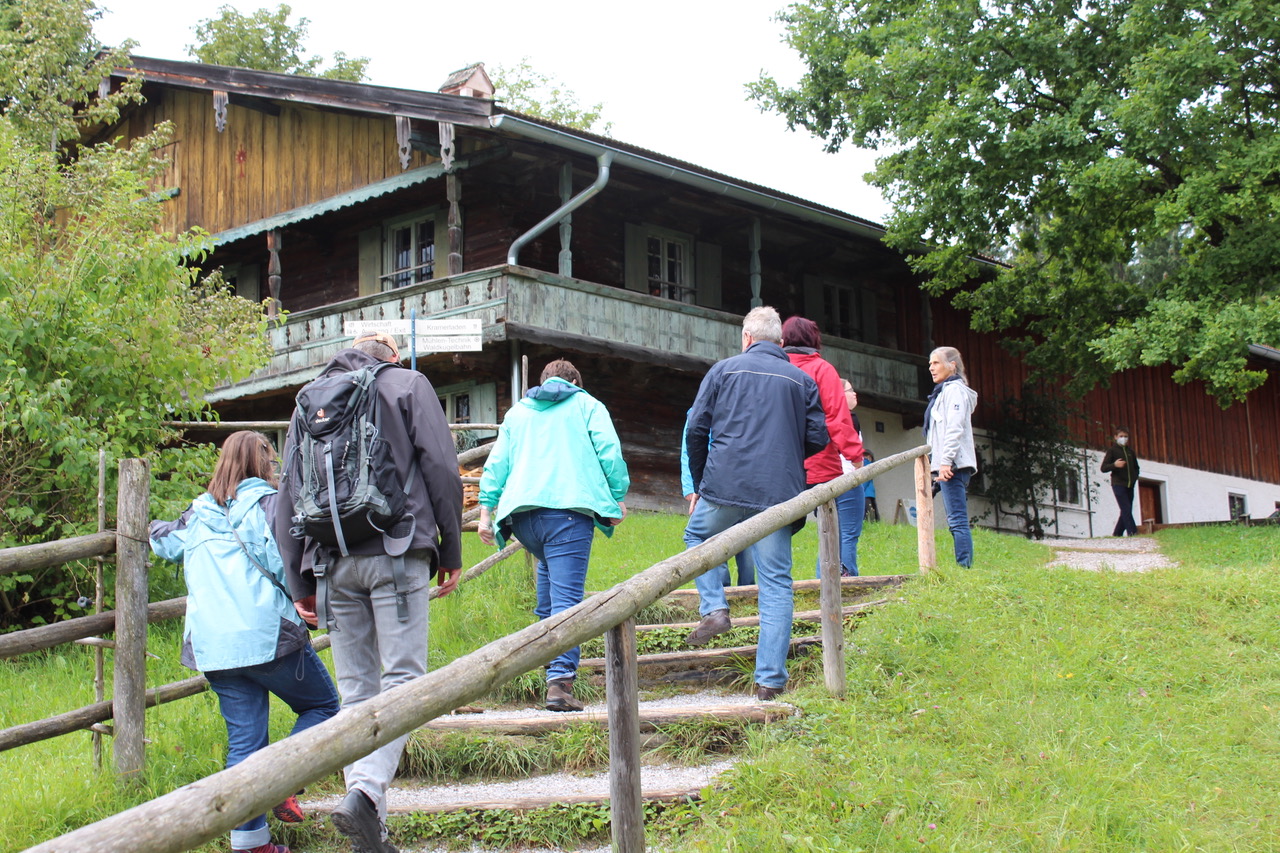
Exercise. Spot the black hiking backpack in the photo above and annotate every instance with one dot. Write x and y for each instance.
(347, 487)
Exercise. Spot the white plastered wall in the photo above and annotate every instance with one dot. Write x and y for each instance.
(1186, 495)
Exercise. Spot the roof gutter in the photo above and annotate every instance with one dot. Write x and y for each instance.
(541, 133)
(604, 158)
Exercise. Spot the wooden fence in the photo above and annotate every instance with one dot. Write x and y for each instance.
(202, 810)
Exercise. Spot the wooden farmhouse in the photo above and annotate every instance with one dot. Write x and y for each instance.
(345, 201)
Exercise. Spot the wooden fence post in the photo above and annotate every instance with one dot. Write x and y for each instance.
(622, 693)
(924, 516)
(830, 599)
(129, 699)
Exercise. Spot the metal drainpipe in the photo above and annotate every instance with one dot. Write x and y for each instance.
(603, 161)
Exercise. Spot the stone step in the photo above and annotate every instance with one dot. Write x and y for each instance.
(658, 783)
(651, 717)
(689, 597)
(694, 665)
(752, 621)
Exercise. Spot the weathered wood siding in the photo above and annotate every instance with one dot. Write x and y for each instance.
(261, 164)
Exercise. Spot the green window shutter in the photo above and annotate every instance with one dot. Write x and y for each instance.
(706, 277)
(441, 268)
(635, 273)
(869, 315)
(813, 307)
(370, 255)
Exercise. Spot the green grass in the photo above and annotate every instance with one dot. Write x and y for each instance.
(1008, 707)
(1016, 708)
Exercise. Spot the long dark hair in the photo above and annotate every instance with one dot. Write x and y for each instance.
(245, 454)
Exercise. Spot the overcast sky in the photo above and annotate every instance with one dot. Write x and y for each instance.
(670, 73)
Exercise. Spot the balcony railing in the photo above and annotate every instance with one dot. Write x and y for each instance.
(526, 304)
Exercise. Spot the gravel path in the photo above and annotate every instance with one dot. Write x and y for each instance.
(1116, 554)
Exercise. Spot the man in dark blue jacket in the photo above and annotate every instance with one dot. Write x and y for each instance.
(766, 418)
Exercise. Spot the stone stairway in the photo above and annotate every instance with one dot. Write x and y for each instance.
(666, 679)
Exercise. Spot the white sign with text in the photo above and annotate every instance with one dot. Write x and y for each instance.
(460, 335)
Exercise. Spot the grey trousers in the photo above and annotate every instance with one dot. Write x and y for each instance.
(374, 651)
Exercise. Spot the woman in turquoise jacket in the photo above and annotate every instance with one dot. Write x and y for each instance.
(242, 630)
(554, 476)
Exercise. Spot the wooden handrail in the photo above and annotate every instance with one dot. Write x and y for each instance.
(26, 558)
(48, 636)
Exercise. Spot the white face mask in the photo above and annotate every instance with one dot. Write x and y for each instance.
(1122, 440)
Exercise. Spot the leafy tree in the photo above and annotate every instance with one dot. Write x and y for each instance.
(525, 90)
(1033, 457)
(1075, 136)
(49, 59)
(265, 41)
(105, 331)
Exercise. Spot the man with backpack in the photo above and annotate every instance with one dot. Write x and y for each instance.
(370, 509)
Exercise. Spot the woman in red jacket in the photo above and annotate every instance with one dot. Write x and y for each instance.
(802, 340)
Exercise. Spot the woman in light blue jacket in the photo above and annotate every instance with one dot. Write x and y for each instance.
(554, 476)
(242, 630)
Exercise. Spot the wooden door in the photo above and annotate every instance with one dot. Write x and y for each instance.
(1149, 503)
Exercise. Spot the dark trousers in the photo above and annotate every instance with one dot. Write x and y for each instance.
(1124, 498)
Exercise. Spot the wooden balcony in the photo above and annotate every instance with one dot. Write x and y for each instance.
(518, 303)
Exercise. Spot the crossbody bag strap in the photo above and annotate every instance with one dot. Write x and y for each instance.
(266, 574)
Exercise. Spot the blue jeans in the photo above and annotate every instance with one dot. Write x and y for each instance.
(773, 572)
(1124, 499)
(851, 508)
(956, 502)
(301, 681)
(746, 569)
(560, 540)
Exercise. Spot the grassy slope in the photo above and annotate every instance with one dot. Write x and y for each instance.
(1014, 708)
(1011, 707)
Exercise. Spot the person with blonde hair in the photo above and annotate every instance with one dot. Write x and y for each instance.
(242, 630)
(948, 427)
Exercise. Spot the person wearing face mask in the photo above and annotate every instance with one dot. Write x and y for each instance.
(1122, 463)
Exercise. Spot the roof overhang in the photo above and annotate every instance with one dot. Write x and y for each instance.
(314, 91)
(328, 205)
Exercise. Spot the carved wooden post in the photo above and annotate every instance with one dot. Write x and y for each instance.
(130, 688)
(623, 696)
(453, 192)
(273, 272)
(924, 516)
(566, 224)
(829, 598)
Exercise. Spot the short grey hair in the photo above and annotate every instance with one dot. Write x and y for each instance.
(763, 324)
(951, 356)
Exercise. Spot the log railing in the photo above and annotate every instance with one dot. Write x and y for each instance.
(202, 810)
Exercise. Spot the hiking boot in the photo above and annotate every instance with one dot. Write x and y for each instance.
(289, 811)
(713, 624)
(767, 694)
(357, 818)
(560, 696)
(265, 848)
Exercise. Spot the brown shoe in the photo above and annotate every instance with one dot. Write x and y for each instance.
(766, 694)
(713, 624)
(560, 696)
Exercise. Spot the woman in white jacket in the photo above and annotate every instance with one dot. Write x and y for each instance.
(948, 428)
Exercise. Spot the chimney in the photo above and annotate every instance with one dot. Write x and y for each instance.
(469, 82)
